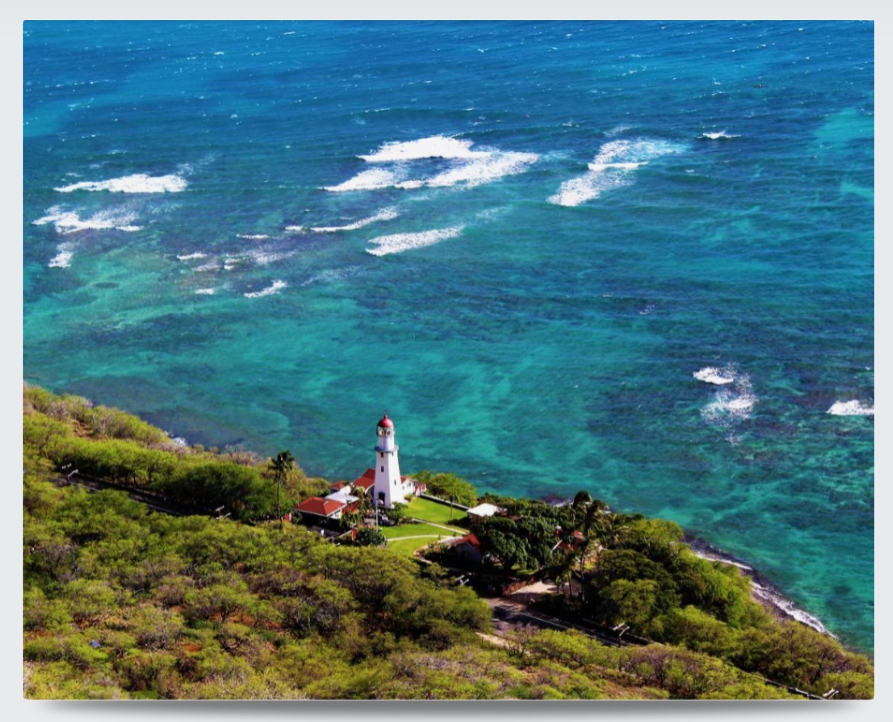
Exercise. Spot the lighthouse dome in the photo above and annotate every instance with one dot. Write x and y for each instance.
(386, 422)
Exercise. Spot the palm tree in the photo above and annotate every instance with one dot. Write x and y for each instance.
(280, 465)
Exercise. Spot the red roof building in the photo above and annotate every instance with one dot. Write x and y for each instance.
(325, 508)
(367, 480)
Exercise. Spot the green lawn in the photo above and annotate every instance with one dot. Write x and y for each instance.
(404, 530)
(407, 546)
(432, 511)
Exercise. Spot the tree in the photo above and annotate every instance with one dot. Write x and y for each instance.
(369, 537)
(280, 465)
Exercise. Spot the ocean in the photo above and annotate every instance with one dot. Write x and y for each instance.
(634, 257)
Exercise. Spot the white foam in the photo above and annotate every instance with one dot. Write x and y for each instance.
(192, 256)
(212, 266)
(70, 222)
(129, 229)
(137, 183)
(400, 242)
(297, 229)
(713, 375)
(369, 180)
(731, 403)
(611, 168)
(262, 256)
(851, 408)
(486, 168)
(64, 254)
(205, 291)
(268, 291)
(721, 135)
(788, 607)
(437, 146)
(252, 236)
(386, 214)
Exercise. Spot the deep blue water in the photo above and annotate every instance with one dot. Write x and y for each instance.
(524, 240)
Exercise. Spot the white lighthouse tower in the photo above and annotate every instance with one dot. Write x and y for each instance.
(389, 487)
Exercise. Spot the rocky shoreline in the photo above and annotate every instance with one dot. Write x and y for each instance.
(763, 590)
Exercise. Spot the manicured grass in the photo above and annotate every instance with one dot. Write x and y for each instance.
(432, 511)
(404, 530)
(407, 546)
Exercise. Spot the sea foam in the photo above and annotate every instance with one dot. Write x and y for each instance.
(64, 254)
(437, 146)
(70, 222)
(732, 403)
(612, 167)
(386, 214)
(721, 135)
(369, 180)
(400, 242)
(851, 408)
(268, 291)
(137, 183)
(490, 167)
(713, 375)
(464, 165)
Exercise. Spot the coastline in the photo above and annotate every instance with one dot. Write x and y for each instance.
(764, 592)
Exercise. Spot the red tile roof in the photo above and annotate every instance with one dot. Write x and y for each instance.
(319, 507)
(367, 480)
(338, 485)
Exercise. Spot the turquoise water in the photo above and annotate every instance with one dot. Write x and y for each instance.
(630, 257)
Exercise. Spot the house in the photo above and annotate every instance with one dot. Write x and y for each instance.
(325, 509)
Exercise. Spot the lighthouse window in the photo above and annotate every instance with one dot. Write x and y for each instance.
(382, 468)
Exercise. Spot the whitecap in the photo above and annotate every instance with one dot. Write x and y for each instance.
(488, 167)
(268, 291)
(436, 146)
(64, 254)
(399, 242)
(721, 135)
(612, 167)
(252, 236)
(369, 180)
(191, 256)
(851, 408)
(137, 183)
(713, 375)
(732, 403)
(386, 214)
(205, 291)
(129, 229)
(70, 222)
(296, 229)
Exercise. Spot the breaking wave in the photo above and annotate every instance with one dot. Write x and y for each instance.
(713, 375)
(137, 183)
(437, 146)
(400, 242)
(70, 222)
(464, 165)
(851, 408)
(386, 214)
(64, 254)
(732, 403)
(721, 135)
(613, 167)
(268, 291)
(369, 180)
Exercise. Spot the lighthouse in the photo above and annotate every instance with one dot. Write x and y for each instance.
(389, 486)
